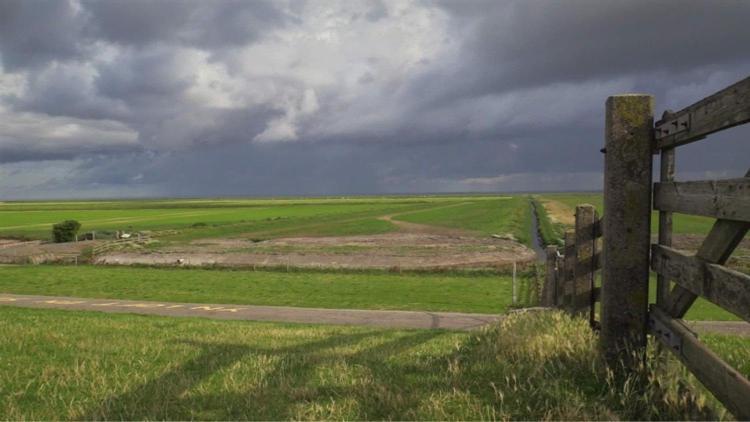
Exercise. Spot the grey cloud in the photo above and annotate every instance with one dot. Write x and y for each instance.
(215, 24)
(33, 32)
(522, 43)
(482, 95)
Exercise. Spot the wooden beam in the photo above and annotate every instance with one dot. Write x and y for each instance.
(584, 269)
(627, 226)
(725, 199)
(548, 292)
(569, 268)
(722, 110)
(724, 382)
(721, 241)
(666, 174)
(727, 288)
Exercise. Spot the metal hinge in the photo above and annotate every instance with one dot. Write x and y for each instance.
(665, 334)
(669, 127)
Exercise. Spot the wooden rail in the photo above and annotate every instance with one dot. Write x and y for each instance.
(727, 108)
(570, 281)
(702, 274)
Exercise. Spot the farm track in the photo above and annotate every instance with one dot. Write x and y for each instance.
(389, 319)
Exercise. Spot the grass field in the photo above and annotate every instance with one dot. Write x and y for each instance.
(78, 365)
(481, 293)
(499, 216)
(265, 218)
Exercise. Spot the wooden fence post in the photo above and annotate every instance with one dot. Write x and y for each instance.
(548, 292)
(569, 268)
(584, 269)
(627, 226)
(560, 280)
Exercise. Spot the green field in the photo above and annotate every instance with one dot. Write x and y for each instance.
(79, 365)
(481, 293)
(499, 216)
(266, 218)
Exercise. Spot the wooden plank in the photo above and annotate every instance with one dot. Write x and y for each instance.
(569, 265)
(721, 241)
(548, 291)
(598, 227)
(666, 174)
(722, 110)
(559, 281)
(727, 288)
(627, 227)
(724, 382)
(724, 199)
(584, 252)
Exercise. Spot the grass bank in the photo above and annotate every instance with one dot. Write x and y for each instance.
(456, 292)
(508, 215)
(551, 233)
(77, 365)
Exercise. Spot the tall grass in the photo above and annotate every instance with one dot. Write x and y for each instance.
(79, 365)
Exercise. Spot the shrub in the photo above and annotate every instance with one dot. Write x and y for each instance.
(65, 231)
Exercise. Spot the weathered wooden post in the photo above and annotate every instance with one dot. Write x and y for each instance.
(627, 225)
(560, 280)
(549, 290)
(584, 250)
(569, 266)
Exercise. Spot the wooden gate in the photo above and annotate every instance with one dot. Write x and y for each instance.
(703, 274)
(627, 255)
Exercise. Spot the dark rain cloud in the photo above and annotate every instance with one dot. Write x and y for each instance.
(269, 97)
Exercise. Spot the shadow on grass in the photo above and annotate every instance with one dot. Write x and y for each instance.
(179, 393)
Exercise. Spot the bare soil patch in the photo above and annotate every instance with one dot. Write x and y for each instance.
(559, 212)
(385, 251)
(414, 246)
(37, 252)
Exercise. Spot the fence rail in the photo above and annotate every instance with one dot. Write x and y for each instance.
(627, 253)
(570, 281)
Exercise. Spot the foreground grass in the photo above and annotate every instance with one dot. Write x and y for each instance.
(480, 293)
(76, 365)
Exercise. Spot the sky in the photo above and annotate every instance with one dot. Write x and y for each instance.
(201, 98)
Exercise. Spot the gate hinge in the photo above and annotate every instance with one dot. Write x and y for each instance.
(665, 334)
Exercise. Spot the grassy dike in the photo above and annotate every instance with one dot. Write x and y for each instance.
(79, 365)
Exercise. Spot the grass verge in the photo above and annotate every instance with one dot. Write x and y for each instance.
(469, 292)
(78, 365)
(551, 233)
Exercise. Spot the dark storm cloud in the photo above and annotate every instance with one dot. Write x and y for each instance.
(529, 43)
(199, 23)
(272, 97)
(34, 32)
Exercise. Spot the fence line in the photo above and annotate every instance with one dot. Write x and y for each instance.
(632, 139)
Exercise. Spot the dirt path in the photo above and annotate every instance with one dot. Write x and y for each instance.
(736, 328)
(390, 319)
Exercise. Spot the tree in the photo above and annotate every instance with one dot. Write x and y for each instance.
(65, 231)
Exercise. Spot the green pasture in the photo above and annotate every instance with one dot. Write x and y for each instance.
(65, 365)
(261, 218)
(499, 216)
(457, 292)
